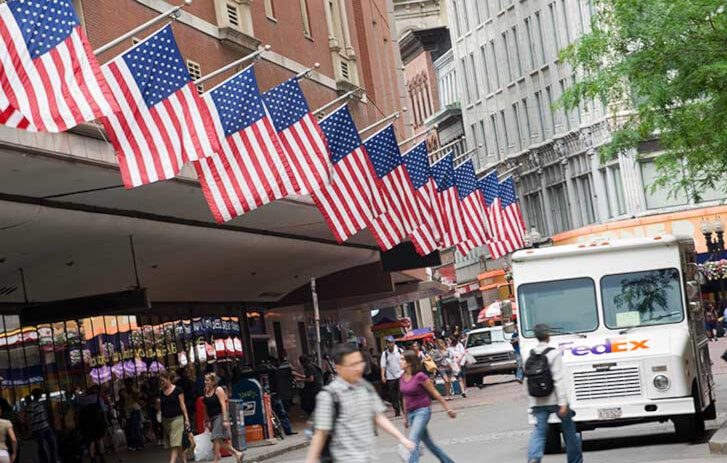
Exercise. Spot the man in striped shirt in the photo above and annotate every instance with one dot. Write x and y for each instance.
(40, 426)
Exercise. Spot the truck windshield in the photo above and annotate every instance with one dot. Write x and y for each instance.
(651, 297)
(485, 337)
(566, 306)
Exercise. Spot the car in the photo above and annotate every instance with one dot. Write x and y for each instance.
(493, 354)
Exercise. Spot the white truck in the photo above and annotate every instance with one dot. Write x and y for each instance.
(627, 318)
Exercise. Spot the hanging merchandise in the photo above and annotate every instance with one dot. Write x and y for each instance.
(201, 352)
(220, 348)
(210, 352)
(182, 359)
(229, 347)
(238, 346)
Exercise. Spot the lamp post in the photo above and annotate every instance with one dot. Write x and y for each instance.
(715, 245)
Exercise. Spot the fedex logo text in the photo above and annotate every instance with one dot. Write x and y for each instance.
(611, 346)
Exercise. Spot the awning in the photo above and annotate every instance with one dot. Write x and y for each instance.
(414, 335)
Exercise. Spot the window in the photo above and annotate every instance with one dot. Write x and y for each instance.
(493, 127)
(618, 188)
(485, 338)
(195, 72)
(541, 115)
(566, 25)
(233, 15)
(503, 120)
(305, 16)
(646, 298)
(488, 75)
(475, 82)
(539, 24)
(559, 209)
(478, 11)
(466, 78)
(585, 199)
(518, 127)
(270, 9)
(494, 61)
(659, 198)
(466, 16)
(554, 26)
(483, 134)
(518, 59)
(505, 46)
(581, 22)
(535, 212)
(457, 26)
(526, 115)
(531, 42)
(566, 116)
(549, 95)
(566, 306)
(473, 137)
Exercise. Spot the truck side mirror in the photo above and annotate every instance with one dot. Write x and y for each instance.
(506, 310)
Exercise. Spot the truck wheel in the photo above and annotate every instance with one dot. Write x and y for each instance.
(552, 439)
(686, 427)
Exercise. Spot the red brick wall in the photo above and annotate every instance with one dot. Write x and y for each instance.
(108, 19)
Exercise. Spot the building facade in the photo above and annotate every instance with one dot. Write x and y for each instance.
(506, 53)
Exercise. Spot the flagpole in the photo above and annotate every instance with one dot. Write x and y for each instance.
(135, 31)
(434, 127)
(379, 122)
(447, 146)
(227, 67)
(307, 71)
(348, 95)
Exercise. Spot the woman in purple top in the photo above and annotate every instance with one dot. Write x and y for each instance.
(417, 391)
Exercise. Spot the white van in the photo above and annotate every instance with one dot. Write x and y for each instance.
(627, 318)
(492, 351)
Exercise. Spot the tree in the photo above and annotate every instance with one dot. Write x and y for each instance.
(661, 67)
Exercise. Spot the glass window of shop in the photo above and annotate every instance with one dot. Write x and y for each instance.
(65, 358)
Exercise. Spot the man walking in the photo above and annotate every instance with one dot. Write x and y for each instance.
(348, 410)
(40, 426)
(515, 342)
(391, 372)
(547, 391)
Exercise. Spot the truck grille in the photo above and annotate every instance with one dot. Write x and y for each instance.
(616, 382)
(494, 358)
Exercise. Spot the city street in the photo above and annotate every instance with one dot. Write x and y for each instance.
(493, 426)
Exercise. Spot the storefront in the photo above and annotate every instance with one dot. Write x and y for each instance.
(67, 357)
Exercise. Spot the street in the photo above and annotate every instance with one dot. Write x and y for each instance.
(493, 427)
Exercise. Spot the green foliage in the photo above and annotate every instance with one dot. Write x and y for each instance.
(661, 66)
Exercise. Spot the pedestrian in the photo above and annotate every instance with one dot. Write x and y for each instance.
(7, 435)
(391, 372)
(417, 392)
(547, 390)
(443, 360)
(218, 415)
(710, 319)
(175, 420)
(282, 387)
(42, 431)
(187, 385)
(132, 413)
(348, 411)
(459, 363)
(515, 342)
(312, 378)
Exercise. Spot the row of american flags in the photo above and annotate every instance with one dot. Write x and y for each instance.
(248, 147)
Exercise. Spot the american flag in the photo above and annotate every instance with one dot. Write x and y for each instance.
(251, 169)
(454, 231)
(163, 123)
(473, 207)
(427, 235)
(490, 188)
(49, 76)
(512, 217)
(300, 134)
(402, 214)
(353, 197)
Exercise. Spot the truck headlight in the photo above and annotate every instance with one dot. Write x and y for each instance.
(661, 382)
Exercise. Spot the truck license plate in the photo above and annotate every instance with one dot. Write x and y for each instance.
(609, 413)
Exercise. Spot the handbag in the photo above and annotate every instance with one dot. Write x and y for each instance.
(429, 365)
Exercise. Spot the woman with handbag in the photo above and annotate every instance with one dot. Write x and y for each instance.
(175, 420)
(218, 415)
(417, 392)
(443, 360)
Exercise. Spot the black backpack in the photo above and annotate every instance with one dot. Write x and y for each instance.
(537, 371)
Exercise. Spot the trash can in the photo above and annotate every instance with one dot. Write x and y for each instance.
(237, 424)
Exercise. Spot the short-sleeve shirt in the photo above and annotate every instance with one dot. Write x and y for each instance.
(38, 416)
(354, 429)
(414, 393)
(391, 362)
(170, 403)
(5, 425)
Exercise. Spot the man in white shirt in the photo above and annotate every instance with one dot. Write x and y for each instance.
(556, 402)
(391, 372)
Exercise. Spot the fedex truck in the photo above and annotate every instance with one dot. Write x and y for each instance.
(627, 318)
